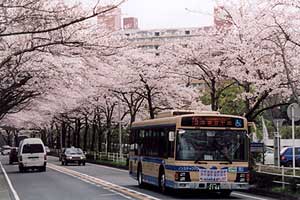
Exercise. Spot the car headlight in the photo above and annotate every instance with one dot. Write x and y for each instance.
(69, 157)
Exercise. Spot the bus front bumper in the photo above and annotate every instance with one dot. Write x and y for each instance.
(206, 186)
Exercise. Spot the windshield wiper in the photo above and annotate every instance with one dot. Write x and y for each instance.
(199, 162)
(224, 154)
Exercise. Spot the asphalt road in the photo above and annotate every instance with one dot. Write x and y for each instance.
(90, 182)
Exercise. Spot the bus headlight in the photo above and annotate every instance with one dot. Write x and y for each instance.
(182, 176)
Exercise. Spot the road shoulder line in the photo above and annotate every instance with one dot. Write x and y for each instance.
(13, 191)
(123, 191)
(248, 196)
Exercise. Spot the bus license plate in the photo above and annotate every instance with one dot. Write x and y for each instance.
(213, 186)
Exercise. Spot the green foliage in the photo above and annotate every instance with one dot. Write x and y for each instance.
(286, 132)
(206, 99)
(228, 101)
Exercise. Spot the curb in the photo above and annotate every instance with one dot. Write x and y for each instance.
(107, 164)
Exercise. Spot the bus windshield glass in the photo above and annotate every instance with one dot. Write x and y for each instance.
(211, 145)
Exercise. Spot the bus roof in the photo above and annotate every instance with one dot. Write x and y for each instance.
(171, 113)
(172, 120)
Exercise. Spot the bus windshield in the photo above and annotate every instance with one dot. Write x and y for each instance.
(211, 145)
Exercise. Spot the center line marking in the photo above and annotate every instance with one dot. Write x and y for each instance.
(105, 184)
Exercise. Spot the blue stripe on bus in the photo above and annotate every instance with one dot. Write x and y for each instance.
(148, 159)
(170, 183)
(183, 168)
(150, 179)
(154, 181)
(152, 160)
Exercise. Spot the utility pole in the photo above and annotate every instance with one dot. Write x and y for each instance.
(293, 137)
(293, 112)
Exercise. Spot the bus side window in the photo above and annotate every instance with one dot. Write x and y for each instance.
(135, 139)
(141, 141)
(170, 144)
(164, 144)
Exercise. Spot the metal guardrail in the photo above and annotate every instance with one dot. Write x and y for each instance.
(280, 171)
(115, 157)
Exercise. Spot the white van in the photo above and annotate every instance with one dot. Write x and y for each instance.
(32, 154)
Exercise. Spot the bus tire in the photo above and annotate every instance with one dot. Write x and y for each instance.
(225, 193)
(140, 176)
(162, 181)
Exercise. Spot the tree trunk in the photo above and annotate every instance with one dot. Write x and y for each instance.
(108, 139)
(150, 104)
(69, 136)
(100, 133)
(94, 127)
(63, 134)
(74, 134)
(85, 133)
(214, 100)
(57, 137)
(78, 127)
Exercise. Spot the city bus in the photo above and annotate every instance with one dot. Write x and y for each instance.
(193, 150)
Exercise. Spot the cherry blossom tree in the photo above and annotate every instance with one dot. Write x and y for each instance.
(31, 30)
(145, 77)
(243, 53)
(202, 59)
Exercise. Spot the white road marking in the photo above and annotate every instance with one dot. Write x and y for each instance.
(104, 195)
(102, 166)
(248, 196)
(121, 170)
(123, 191)
(16, 196)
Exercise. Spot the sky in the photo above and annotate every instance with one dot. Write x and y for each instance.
(170, 13)
(153, 14)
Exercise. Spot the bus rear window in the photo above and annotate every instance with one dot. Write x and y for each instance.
(33, 148)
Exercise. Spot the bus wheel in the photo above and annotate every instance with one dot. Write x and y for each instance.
(140, 177)
(225, 193)
(162, 182)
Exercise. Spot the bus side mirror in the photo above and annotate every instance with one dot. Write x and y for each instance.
(171, 136)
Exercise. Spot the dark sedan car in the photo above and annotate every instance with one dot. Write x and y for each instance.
(73, 155)
(13, 155)
(286, 157)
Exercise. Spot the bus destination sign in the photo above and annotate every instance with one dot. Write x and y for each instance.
(212, 121)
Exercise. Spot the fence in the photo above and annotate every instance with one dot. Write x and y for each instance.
(95, 155)
(283, 172)
(115, 157)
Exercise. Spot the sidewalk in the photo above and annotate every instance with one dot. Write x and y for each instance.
(4, 190)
